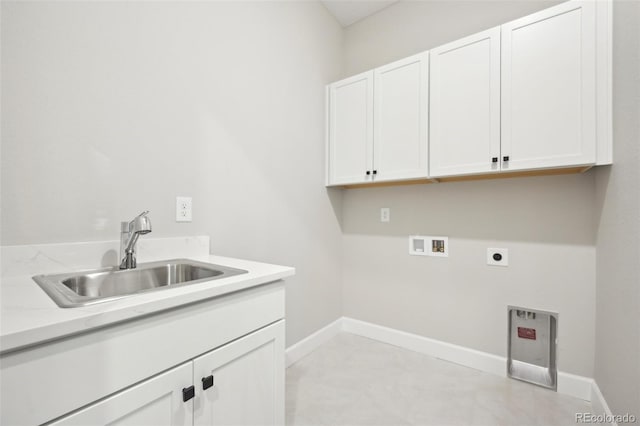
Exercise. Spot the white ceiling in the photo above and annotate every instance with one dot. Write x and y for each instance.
(348, 12)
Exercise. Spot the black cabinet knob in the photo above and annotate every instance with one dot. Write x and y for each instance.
(188, 393)
(368, 172)
(375, 172)
(494, 159)
(207, 382)
(505, 158)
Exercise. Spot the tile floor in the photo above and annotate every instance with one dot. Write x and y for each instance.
(352, 380)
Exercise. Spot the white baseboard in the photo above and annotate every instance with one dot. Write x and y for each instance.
(310, 343)
(453, 353)
(568, 384)
(573, 385)
(599, 405)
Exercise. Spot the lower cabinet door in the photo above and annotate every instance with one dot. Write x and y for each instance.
(157, 401)
(242, 383)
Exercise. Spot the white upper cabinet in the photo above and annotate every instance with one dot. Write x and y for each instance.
(549, 88)
(400, 119)
(350, 142)
(533, 94)
(378, 124)
(465, 106)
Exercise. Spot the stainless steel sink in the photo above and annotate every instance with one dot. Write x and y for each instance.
(100, 285)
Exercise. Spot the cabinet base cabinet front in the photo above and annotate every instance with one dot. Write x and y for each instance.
(49, 381)
(157, 401)
(242, 383)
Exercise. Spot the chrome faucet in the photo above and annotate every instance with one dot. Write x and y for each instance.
(129, 233)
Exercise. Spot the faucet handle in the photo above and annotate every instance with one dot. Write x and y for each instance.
(126, 225)
(141, 215)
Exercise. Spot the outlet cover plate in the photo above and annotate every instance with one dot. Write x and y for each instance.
(385, 214)
(501, 257)
(184, 211)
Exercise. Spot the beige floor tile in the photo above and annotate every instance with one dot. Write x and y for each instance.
(352, 380)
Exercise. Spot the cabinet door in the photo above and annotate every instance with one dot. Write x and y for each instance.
(248, 381)
(350, 130)
(465, 106)
(548, 88)
(400, 119)
(154, 402)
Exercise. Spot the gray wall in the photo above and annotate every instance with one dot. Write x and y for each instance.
(617, 363)
(410, 26)
(109, 108)
(547, 223)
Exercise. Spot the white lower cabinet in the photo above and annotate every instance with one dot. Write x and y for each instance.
(150, 371)
(155, 402)
(240, 383)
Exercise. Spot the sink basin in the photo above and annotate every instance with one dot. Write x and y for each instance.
(101, 285)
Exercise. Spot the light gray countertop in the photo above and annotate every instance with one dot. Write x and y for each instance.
(28, 316)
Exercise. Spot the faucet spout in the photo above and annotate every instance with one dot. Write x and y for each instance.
(130, 232)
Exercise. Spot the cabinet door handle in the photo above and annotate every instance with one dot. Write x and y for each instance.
(494, 159)
(375, 172)
(505, 158)
(368, 172)
(207, 382)
(188, 393)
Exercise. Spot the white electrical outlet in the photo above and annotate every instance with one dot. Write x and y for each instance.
(385, 214)
(183, 209)
(498, 256)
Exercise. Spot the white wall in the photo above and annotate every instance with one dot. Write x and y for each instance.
(547, 223)
(408, 27)
(617, 363)
(109, 108)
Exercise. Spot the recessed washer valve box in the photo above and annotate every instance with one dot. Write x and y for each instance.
(428, 246)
